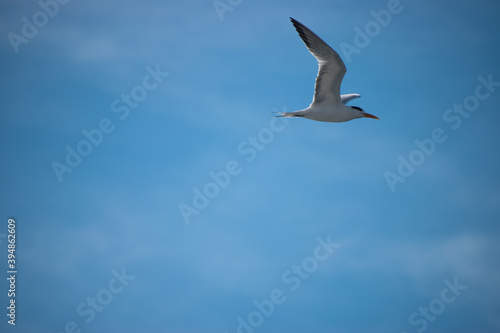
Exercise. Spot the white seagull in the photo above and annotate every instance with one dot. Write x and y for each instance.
(327, 105)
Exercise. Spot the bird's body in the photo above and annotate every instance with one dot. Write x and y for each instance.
(327, 105)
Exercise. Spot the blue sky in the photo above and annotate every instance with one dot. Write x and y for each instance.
(386, 225)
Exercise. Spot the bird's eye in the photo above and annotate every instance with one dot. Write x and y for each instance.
(357, 108)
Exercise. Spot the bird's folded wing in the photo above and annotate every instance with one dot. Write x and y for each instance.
(349, 97)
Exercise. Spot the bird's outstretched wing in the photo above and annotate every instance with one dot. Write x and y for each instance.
(331, 67)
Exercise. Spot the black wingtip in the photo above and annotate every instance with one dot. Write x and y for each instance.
(299, 27)
(296, 24)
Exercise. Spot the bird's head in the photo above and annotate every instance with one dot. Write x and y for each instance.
(362, 113)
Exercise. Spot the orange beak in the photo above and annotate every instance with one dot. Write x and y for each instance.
(367, 115)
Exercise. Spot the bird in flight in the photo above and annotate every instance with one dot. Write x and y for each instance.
(327, 105)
